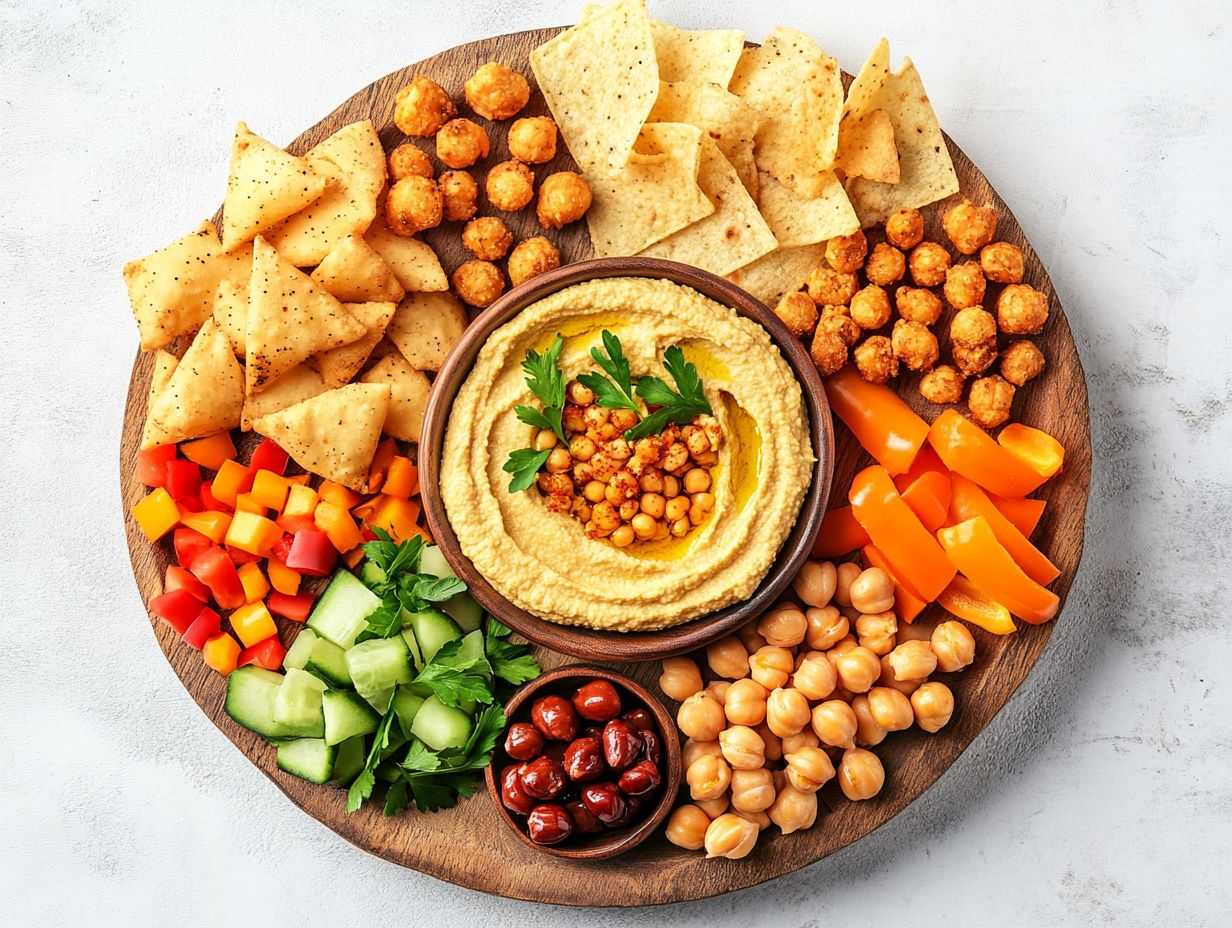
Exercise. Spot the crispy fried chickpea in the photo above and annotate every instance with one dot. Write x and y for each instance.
(860, 774)
(928, 263)
(496, 91)
(460, 143)
(933, 704)
(829, 287)
(828, 351)
(713, 807)
(877, 631)
(808, 769)
(798, 312)
(412, 205)
(708, 777)
(972, 361)
(794, 809)
(752, 789)
(914, 345)
(460, 194)
(487, 238)
(700, 717)
(533, 139)
(870, 307)
(815, 677)
(868, 732)
(742, 747)
(943, 384)
(915, 304)
(990, 400)
(692, 750)
(845, 253)
(875, 359)
(837, 321)
(964, 285)
(858, 669)
(1002, 263)
(885, 266)
(771, 666)
(422, 107)
(731, 836)
(871, 591)
(510, 186)
(970, 227)
(890, 708)
(954, 646)
(827, 626)
(680, 678)
(1021, 310)
(478, 283)
(745, 703)
(409, 160)
(728, 658)
(1021, 361)
(815, 582)
(686, 827)
(564, 197)
(834, 723)
(783, 626)
(845, 575)
(905, 228)
(532, 257)
(972, 327)
(717, 690)
(787, 711)
(912, 660)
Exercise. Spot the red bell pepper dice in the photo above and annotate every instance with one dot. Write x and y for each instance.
(295, 524)
(209, 502)
(240, 558)
(268, 654)
(366, 533)
(180, 579)
(268, 456)
(178, 608)
(213, 568)
(294, 607)
(183, 478)
(282, 550)
(152, 465)
(312, 553)
(204, 627)
(188, 544)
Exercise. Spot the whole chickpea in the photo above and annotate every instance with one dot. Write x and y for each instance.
(743, 748)
(787, 711)
(532, 257)
(460, 143)
(745, 703)
(928, 263)
(792, 744)
(860, 774)
(717, 690)
(773, 743)
(808, 769)
(708, 777)
(869, 732)
(750, 638)
(912, 660)
(953, 645)
(714, 807)
(890, 708)
(700, 717)
(752, 790)
(686, 827)
(815, 583)
(731, 836)
(815, 677)
(886, 265)
(422, 107)
(845, 577)
(771, 666)
(784, 626)
(760, 819)
(834, 723)
(728, 658)
(906, 687)
(933, 704)
(692, 750)
(858, 669)
(680, 678)
(970, 227)
(905, 228)
(877, 632)
(871, 591)
(845, 253)
(826, 627)
(794, 809)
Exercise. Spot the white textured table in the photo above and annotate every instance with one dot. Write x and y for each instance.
(1100, 795)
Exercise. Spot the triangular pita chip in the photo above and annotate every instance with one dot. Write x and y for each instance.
(426, 328)
(707, 55)
(266, 186)
(408, 396)
(205, 393)
(295, 386)
(338, 365)
(289, 319)
(354, 273)
(779, 272)
(796, 221)
(172, 290)
(866, 147)
(353, 162)
(334, 434)
(413, 262)
(868, 83)
(720, 114)
(231, 314)
(153, 435)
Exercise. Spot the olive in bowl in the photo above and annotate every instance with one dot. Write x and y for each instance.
(589, 765)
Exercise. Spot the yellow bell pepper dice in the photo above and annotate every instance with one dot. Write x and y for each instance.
(396, 516)
(220, 652)
(301, 501)
(254, 583)
(337, 523)
(212, 452)
(156, 514)
(253, 533)
(339, 495)
(252, 623)
(244, 502)
(284, 579)
(212, 524)
(227, 482)
(270, 489)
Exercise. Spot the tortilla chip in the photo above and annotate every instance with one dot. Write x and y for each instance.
(799, 90)
(354, 162)
(408, 395)
(795, 221)
(413, 262)
(231, 314)
(333, 434)
(779, 272)
(172, 290)
(289, 319)
(866, 147)
(600, 80)
(265, 187)
(354, 273)
(655, 195)
(153, 434)
(719, 113)
(926, 173)
(708, 55)
(339, 365)
(426, 328)
(730, 237)
(205, 393)
(295, 386)
(868, 83)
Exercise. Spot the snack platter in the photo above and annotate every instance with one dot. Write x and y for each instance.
(471, 843)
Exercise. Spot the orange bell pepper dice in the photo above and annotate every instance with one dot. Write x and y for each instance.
(964, 599)
(301, 501)
(1035, 448)
(896, 531)
(929, 498)
(254, 583)
(967, 449)
(881, 422)
(969, 501)
(1024, 513)
(270, 489)
(974, 549)
(839, 534)
(386, 451)
(220, 652)
(339, 495)
(252, 622)
(283, 578)
(231, 480)
(396, 516)
(156, 514)
(338, 525)
(211, 523)
(211, 453)
(253, 533)
(907, 605)
(402, 480)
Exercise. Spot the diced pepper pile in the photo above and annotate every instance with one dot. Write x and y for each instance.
(944, 511)
(246, 537)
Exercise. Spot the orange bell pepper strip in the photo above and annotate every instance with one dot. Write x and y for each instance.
(929, 498)
(1025, 513)
(974, 549)
(1035, 448)
(969, 501)
(881, 422)
(402, 480)
(839, 534)
(967, 449)
(925, 462)
(386, 451)
(907, 605)
(964, 599)
(896, 531)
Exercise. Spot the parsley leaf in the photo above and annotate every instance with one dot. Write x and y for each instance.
(386, 620)
(361, 789)
(396, 799)
(513, 663)
(681, 405)
(393, 558)
(616, 393)
(437, 589)
(545, 380)
(524, 464)
(453, 680)
(420, 757)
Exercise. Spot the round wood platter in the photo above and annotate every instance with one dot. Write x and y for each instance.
(470, 845)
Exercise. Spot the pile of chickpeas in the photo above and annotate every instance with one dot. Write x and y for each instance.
(800, 697)
(846, 321)
(419, 200)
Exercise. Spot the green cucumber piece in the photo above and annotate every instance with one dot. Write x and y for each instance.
(380, 700)
(378, 664)
(310, 759)
(406, 706)
(343, 609)
(297, 705)
(350, 759)
(370, 574)
(346, 716)
(433, 563)
(432, 630)
(464, 610)
(472, 648)
(440, 726)
(251, 692)
(328, 661)
(408, 635)
(301, 647)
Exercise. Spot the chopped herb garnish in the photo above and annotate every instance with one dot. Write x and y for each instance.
(684, 404)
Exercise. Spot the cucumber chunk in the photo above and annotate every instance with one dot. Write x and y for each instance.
(406, 706)
(297, 705)
(472, 647)
(309, 758)
(370, 574)
(328, 661)
(380, 700)
(349, 760)
(346, 716)
(378, 664)
(432, 629)
(440, 726)
(301, 647)
(408, 635)
(433, 563)
(251, 692)
(343, 609)
(464, 610)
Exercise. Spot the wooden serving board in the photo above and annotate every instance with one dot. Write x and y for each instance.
(470, 845)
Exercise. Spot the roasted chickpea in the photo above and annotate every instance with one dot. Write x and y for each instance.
(564, 197)
(743, 748)
(858, 669)
(972, 327)
(731, 836)
(890, 708)
(834, 723)
(829, 287)
(860, 774)
(745, 703)
(912, 660)
(875, 359)
(1002, 263)
(692, 750)
(828, 351)
(713, 807)
(495, 91)
(953, 645)
(837, 321)
(460, 143)
(533, 139)
(808, 769)
(774, 744)
(885, 266)
(871, 591)
(700, 717)
(928, 263)
(914, 345)
(686, 827)
(794, 809)
(422, 107)
(804, 739)
(877, 631)
(815, 677)
(487, 238)
(887, 678)
(478, 283)
(750, 638)
(409, 160)
(933, 704)
(1021, 362)
(868, 732)
(752, 790)
(510, 186)
(916, 304)
(870, 307)
(784, 626)
(845, 253)
(787, 711)
(798, 312)
(827, 626)
(532, 257)
(771, 666)
(680, 678)
(728, 658)
(708, 777)
(1021, 310)
(964, 285)
(412, 205)
(905, 228)
(972, 361)
(990, 401)
(717, 690)
(970, 227)
(943, 384)
(815, 582)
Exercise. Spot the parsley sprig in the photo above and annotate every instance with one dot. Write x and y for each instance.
(545, 380)
(403, 588)
(681, 405)
(616, 393)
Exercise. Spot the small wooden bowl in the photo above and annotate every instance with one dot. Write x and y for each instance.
(563, 681)
(593, 644)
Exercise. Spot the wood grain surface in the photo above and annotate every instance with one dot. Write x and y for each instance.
(470, 845)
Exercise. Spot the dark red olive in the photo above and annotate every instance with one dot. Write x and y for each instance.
(523, 742)
(605, 802)
(584, 760)
(513, 796)
(555, 717)
(592, 731)
(650, 746)
(584, 823)
(640, 779)
(597, 701)
(620, 744)
(542, 778)
(639, 719)
(633, 807)
(549, 824)
(556, 751)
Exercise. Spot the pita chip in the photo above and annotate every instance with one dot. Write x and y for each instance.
(295, 386)
(354, 273)
(338, 365)
(720, 114)
(426, 328)
(231, 314)
(413, 262)
(779, 272)
(707, 55)
(205, 392)
(408, 395)
(868, 83)
(152, 435)
(797, 221)
(866, 147)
